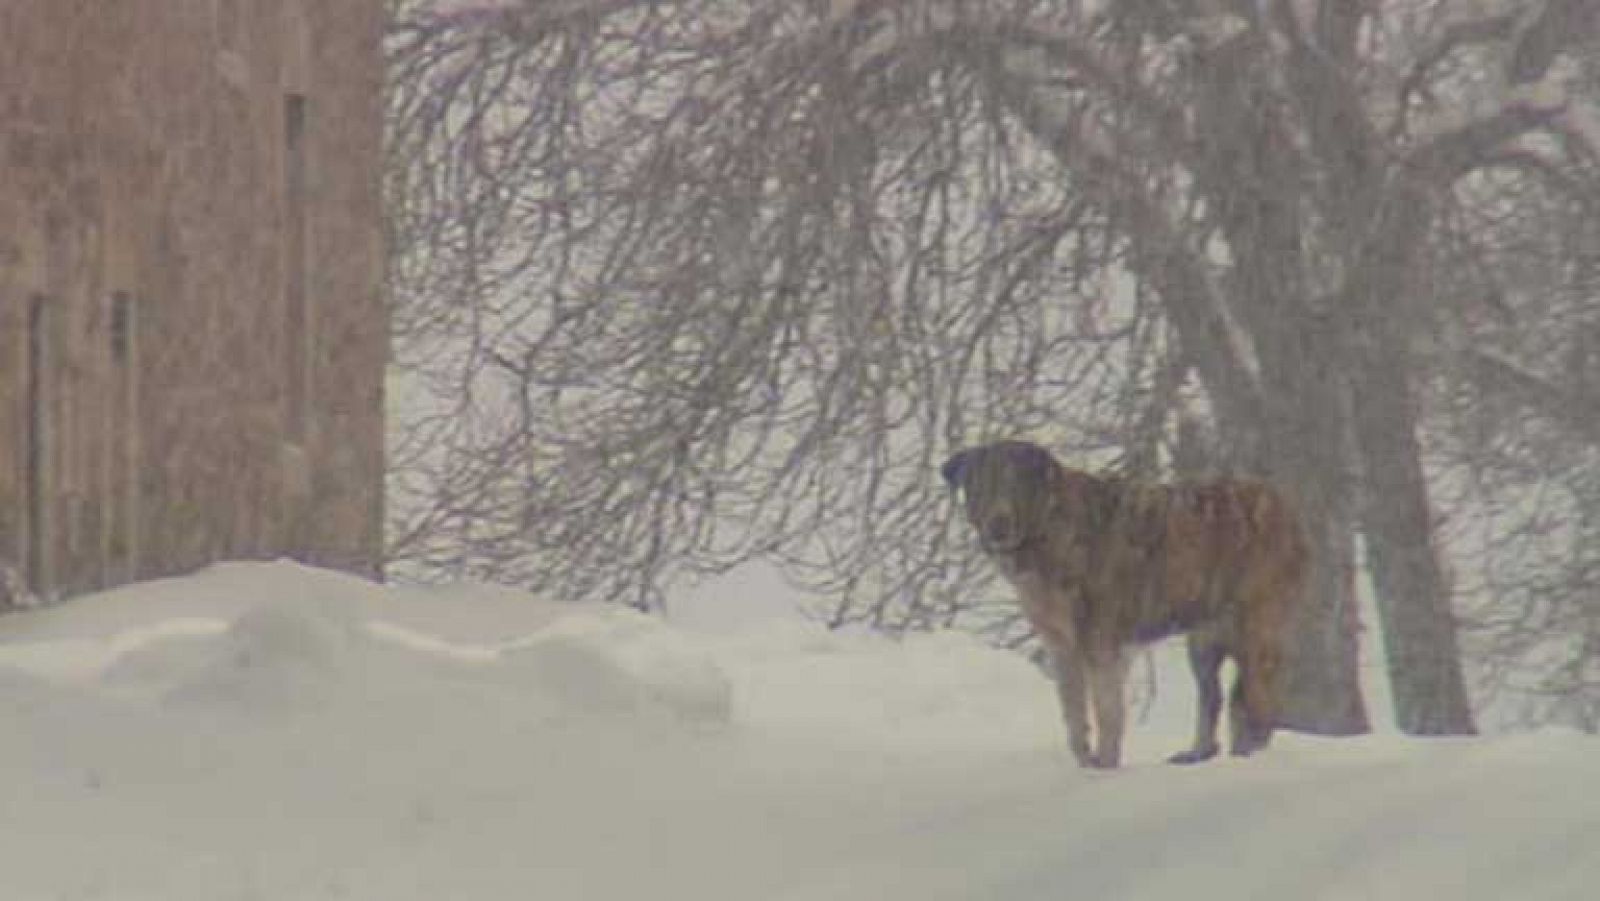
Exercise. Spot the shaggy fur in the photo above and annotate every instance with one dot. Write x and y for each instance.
(1101, 564)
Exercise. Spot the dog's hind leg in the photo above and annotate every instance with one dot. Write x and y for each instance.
(1251, 707)
(1205, 660)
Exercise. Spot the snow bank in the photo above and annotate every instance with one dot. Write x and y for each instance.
(620, 660)
(928, 696)
(268, 731)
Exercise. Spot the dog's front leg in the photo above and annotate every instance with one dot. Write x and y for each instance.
(1070, 688)
(1107, 672)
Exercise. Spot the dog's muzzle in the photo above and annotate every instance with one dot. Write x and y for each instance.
(1001, 534)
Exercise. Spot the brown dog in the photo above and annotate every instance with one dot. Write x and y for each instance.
(1100, 564)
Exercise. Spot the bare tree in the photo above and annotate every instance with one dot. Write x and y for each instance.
(681, 284)
(1515, 412)
(718, 303)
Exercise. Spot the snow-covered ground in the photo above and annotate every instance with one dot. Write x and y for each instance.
(265, 731)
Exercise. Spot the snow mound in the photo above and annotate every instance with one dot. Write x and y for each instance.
(618, 661)
(276, 656)
(316, 643)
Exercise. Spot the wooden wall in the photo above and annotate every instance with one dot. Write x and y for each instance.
(192, 330)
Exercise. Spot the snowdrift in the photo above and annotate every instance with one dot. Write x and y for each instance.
(270, 731)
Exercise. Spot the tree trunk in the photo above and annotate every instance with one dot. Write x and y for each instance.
(1419, 633)
(1304, 452)
(1250, 168)
(1322, 686)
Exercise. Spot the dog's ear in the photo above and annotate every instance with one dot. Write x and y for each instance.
(954, 469)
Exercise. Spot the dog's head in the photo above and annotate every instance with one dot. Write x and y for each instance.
(1010, 489)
